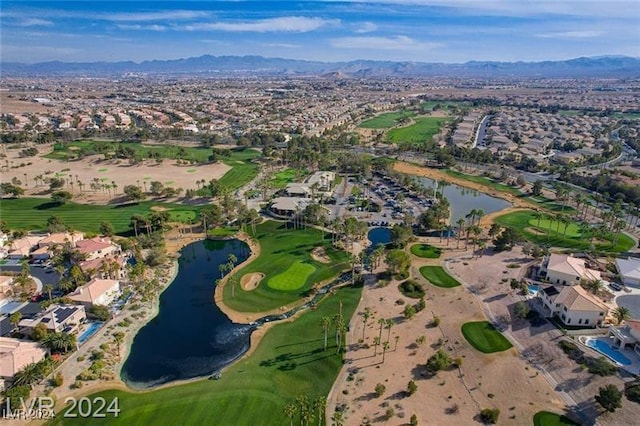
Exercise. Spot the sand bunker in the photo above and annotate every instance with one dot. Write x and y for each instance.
(319, 255)
(250, 282)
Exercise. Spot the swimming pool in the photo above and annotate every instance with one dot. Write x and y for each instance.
(533, 289)
(92, 328)
(603, 345)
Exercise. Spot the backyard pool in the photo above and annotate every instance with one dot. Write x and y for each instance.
(603, 345)
(533, 289)
(92, 328)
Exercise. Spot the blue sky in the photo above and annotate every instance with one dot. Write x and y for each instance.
(398, 30)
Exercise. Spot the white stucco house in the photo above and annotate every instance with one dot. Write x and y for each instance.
(627, 335)
(15, 354)
(96, 292)
(565, 269)
(572, 305)
(629, 271)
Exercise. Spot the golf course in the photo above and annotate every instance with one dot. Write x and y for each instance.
(290, 361)
(484, 337)
(437, 276)
(288, 268)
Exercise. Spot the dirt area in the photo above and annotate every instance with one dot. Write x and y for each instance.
(319, 255)
(251, 281)
(94, 169)
(502, 380)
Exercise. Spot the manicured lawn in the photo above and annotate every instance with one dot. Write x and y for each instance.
(426, 251)
(422, 131)
(484, 337)
(570, 230)
(293, 278)
(286, 176)
(385, 121)
(280, 247)
(437, 276)
(289, 361)
(32, 214)
(525, 222)
(546, 418)
(222, 232)
(482, 180)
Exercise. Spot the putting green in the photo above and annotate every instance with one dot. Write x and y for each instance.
(293, 278)
(484, 337)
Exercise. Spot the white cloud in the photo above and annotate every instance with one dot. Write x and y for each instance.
(280, 45)
(383, 43)
(34, 22)
(136, 27)
(366, 27)
(572, 34)
(169, 15)
(292, 24)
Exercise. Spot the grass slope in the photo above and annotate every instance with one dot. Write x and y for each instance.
(484, 337)
(437, 276)
(289, 361)
(525, 222)
(425, 251)
(280, 246)
(293, 278)
(385, 121)
(422, 131)
(286, 176)
(546, 418)
(32, 214)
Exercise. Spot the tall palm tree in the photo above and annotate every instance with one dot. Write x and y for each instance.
(479, 214)
(385, 347)
(320, 404)
(290, 411)
(621, 314)
(14, 319)
(388, 324)
(376, 343)
(325, 323)
(382, 323)
(460, 223)
(48, 288)
(365, 317)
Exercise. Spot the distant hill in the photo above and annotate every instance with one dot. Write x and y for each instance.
(618, 66)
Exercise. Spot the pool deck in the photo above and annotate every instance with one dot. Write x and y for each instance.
(633, 368)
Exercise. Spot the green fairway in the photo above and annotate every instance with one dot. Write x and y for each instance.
(546, 418)
(32, 213)
(526, 223)
(281, 247)
(289, 361)
(422, 131)
(484, 337)
(286, 176)
(437, 276)
(426, 251)
(387, 120)
(482, 180)
(293, 278)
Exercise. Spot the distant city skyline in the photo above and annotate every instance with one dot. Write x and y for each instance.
(449, 31)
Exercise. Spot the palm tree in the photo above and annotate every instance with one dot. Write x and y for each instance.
(460, 223)
(118, 337)
(337, 418)
(621, 314)
(376, 342)
(320, 404)
(396, 339)
(223, 267)
(14, 319)
(593, 285)
(382, 322)
(48, 288)
(325, 323)
(385, 347)
(479, 214)
(290, 411)
(61, 342)
(28, 375)
(388, 324)
(365, 317)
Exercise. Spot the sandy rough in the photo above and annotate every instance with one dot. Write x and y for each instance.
(250, 282)
(319, 255)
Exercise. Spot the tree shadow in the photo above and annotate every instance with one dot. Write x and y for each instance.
(47, 206)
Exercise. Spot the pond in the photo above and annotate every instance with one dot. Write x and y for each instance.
(379, 236)
(463, 200)
(190, 337)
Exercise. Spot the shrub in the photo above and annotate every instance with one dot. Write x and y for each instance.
(420, 305)
(380, 388)
(389, 413)
(57, 380)
(17, 392)
(609, 397)
(100, 312)
(412, 387)
(601, 367)
(438, 361)
(412, 289)
(489, 415)
(436, 321)
(414, 420)
(409, 311)
(633, 393)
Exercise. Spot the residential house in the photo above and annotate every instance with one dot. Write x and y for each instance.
(572, 305)
(97, 247)
(22, 247)
(57, 318)
(629, 271)
(96, 292)
(6, 290)
(567, 270)
(15, 354)
(627, 335)
(105, 267)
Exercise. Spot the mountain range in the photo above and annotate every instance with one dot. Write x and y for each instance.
(208, 65)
